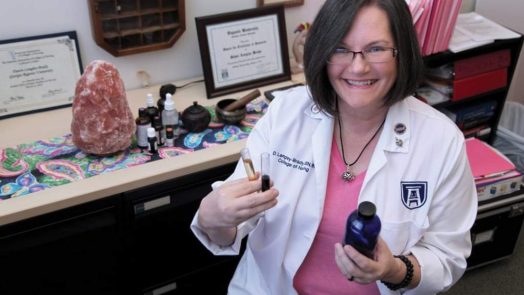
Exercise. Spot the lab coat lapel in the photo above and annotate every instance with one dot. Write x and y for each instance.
(321, 145)
(391, 139)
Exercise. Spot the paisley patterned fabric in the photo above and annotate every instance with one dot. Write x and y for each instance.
(42, 164)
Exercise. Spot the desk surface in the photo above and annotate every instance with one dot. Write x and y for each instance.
(49, 124)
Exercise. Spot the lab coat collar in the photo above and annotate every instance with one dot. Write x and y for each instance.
(321, 152)
(394, 138)
(397, 130)
(314, 111)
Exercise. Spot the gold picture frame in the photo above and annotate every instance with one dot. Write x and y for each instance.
(287, 3)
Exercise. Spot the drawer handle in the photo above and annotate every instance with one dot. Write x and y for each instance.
(152, 204)
(516, 210)
(483, 237)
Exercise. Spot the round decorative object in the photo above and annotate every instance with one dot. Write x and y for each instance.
(400, 128)
(196, 118)
(229, 117)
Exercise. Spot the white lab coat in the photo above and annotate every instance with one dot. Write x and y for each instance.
(428, 162)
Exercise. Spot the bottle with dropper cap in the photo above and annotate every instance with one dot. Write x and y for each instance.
(152, 110)
(142, 124)
(169, 115)
(151, 140)
(164, 89)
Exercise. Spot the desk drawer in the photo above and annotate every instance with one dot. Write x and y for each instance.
(71, 251)
(496, 231)
(158, 240)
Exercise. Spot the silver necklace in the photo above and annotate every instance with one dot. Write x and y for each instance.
(348, 175)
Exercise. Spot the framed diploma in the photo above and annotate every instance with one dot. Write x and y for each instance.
(243, 49)
(38, 73)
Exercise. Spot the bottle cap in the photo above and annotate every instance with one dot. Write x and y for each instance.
(166, 88)
(141, 112)
(244, 153)
(150, 101)
(367, 209)
(169, 132)
(169, 104)
(151, 132)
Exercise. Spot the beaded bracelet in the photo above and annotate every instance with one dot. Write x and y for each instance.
(407, 279)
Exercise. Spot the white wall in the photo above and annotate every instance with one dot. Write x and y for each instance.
(508, 13)
(22, 18)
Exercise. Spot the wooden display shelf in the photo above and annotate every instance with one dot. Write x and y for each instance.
(125, 27)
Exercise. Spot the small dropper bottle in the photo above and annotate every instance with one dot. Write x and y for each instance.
(152, 110)
(151, 140)
(157, 124)
(169, 114)
(142, 123)
(170, 137)
(164, 89)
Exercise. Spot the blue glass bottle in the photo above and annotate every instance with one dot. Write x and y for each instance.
(362, 229)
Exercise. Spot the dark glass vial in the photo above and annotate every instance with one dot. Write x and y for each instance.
(142, 123)
(264, 170)
(362, 229)
(157, 124)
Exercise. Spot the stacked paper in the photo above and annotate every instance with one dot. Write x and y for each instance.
(473, 30)
(434, 22)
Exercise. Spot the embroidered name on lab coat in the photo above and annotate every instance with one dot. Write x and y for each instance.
(292, 162)
(414, 193)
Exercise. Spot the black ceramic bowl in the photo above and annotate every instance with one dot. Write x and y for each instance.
(229, 117)
(196, 118)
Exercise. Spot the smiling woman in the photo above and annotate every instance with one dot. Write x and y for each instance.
(361, 63)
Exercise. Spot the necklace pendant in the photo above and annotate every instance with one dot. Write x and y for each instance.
(347, 175)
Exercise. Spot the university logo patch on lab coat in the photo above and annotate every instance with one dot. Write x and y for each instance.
(414, 193)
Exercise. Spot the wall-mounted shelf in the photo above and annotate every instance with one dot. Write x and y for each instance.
(125, 27)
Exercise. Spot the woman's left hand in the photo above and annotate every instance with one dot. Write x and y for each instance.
(361, 269)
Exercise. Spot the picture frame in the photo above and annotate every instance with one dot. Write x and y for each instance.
(287, 3)
(38, 73)
(243, 49)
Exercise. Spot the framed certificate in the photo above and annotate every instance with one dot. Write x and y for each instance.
(38, 73)
(243, 49)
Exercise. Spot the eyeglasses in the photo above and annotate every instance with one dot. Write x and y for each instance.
(374, 54)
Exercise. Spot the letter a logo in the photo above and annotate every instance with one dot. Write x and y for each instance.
(414, 193)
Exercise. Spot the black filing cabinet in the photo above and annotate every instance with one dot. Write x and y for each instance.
(73, 251)
(162, 252)
(496, 229)
(137, 242)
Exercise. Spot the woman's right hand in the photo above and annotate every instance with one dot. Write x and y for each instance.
(231, 204)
